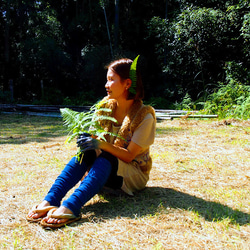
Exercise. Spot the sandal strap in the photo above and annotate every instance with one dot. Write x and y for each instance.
(41, 210)
(60, 216)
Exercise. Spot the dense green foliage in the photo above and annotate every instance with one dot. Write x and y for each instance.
(54, 52)
(230, 101)
(196, 47)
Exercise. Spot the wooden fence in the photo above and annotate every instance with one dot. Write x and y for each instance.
(54, 111)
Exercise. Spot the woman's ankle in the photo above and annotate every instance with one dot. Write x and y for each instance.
(44, 203)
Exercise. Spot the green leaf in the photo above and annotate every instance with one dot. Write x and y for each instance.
(132, 76)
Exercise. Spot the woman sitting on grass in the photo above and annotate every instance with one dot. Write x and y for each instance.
(115, 163)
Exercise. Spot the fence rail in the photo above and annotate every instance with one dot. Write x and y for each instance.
(54, 111)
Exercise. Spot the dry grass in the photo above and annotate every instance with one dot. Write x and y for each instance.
(197, 197)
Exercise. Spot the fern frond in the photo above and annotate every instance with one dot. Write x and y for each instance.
(89, 122)
(71, 137)
(132, 75)
(104, 117)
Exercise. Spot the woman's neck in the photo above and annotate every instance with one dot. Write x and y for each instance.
(124, 106)
(122, 109)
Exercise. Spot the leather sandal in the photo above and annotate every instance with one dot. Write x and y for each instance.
(36, 210)
(70, 218)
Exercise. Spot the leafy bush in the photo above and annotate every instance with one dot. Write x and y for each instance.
(186, 103)
(232, 100)
(245, 33)
(192, 48)
(236, 72)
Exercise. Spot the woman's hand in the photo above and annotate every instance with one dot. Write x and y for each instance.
(85, 142)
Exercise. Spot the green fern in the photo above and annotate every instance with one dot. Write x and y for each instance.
(86, 122)
(132, 76)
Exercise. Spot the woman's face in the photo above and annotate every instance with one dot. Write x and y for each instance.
(115, 87)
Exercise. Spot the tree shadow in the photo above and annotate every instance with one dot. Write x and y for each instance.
(154, 199)
(22, 129)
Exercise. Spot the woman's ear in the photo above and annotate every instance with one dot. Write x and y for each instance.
(128, 83)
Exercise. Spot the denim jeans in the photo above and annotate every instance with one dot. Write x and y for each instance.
(73, 172)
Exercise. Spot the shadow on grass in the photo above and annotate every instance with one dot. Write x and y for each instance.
(21, 129)
(155, 200)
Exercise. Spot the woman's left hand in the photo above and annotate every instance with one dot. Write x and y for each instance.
(87, 143)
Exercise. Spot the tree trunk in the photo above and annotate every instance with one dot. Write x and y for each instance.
(166, 10)
(116, 30)
(7, 46)
(11, 86)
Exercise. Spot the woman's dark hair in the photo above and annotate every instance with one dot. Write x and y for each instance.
(122, 67)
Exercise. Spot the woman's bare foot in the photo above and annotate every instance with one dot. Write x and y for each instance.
(33, 214)
(59, 211)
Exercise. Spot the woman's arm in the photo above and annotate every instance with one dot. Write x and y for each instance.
(147, 127)
(124, 154)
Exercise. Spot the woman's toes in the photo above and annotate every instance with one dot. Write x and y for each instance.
(33, 215)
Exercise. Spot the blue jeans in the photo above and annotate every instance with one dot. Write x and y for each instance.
(71, 175)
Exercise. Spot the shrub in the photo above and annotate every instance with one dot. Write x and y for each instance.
(186, 103)
(232, 100)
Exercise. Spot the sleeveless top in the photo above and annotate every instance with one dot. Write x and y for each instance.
(132, 120)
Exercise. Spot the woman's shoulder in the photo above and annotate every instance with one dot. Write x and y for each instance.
(149, 116)
(147, 111)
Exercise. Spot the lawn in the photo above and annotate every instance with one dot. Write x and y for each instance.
(198, 196)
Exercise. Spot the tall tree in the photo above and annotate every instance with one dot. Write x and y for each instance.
(200, 41)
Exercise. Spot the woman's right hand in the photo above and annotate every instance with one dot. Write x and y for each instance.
(86, 142)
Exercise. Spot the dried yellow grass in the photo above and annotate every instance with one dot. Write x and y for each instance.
(197, 196)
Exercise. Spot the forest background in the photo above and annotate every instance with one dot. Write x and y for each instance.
(194, 54)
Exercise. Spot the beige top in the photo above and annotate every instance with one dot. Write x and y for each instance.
(133, 177)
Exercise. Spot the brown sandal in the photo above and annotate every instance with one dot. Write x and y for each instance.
(71, 218)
